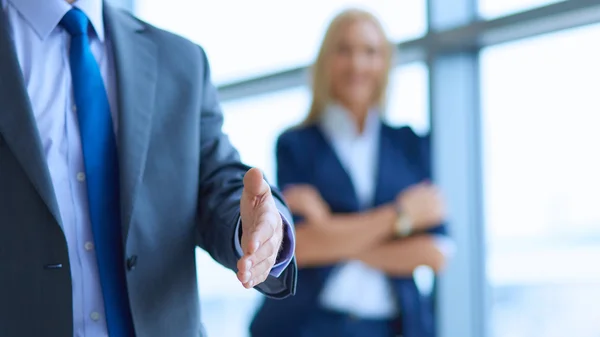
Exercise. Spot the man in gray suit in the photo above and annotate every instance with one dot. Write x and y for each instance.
(113, 168)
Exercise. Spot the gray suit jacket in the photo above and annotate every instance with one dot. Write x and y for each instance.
(181, 185)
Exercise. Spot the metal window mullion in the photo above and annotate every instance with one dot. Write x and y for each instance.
(456, 136)
(454, 94)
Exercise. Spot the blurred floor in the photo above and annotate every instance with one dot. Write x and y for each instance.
(228, 317)
(520, 311)
(547, 311)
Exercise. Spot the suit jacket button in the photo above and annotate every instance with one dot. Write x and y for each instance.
(131, 262)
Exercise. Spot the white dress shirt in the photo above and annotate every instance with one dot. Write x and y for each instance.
(354, 287)
(42, 50)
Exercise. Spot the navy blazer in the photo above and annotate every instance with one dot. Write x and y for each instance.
(304, 156)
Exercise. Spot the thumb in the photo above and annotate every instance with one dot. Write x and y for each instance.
(254, 184)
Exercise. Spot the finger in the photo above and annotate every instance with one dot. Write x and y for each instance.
(261, 225)
(251, 266)
(247, 266)
(434, 189)
(264, 230)
(429, 196)
(266, 251)
(260, 272)
(437, 197)
(244, 265)
(418, 189)
(430, 192)
(247, 246)
(254, 184)
(250, 241)
(426, 182)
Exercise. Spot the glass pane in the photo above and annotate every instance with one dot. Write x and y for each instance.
(542, 184)
(408, 97)
(226, 305)
(495, 8)
(249, 38)
(253, 125)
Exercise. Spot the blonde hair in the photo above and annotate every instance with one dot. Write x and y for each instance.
(321, 82)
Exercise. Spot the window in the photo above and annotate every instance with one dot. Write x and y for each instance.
(408, 97)
(490, 9)
(253, 125)
(248, 38)
(542, 187)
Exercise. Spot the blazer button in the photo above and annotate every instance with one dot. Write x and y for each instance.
(131, 262)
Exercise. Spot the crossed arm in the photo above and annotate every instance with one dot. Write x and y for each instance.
(323, 238)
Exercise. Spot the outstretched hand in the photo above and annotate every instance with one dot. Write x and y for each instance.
(262, 230)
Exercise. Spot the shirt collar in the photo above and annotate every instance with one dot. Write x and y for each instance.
(44, 15)
(337, 122)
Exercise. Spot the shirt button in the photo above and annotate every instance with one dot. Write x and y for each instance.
(81, 176)
(88, 246)
(95, 316)
(74, 107)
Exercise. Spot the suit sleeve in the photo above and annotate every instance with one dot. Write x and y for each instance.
(220, 191)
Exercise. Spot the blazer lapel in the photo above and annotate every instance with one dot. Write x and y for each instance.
(387, 169)
(337, 187)
(136, 69)
(17, 122)
(396, 167)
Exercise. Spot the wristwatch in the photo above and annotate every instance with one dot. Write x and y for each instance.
(403, 225)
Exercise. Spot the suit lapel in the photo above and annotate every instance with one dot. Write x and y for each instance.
(397, 169)
(337, 188)
(385, 166)
(136, 69)
(17, 122)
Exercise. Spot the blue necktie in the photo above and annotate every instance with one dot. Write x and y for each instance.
(102, 173)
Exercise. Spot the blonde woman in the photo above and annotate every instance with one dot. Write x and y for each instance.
(367, 216)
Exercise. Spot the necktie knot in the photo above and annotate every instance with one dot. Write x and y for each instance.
(75, 22)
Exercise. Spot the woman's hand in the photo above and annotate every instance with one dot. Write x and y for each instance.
(304, 200)
(423, 204)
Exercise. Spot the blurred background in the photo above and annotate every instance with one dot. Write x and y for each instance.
(509, 90)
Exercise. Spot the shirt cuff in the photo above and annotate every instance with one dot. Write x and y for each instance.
(286, 253)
